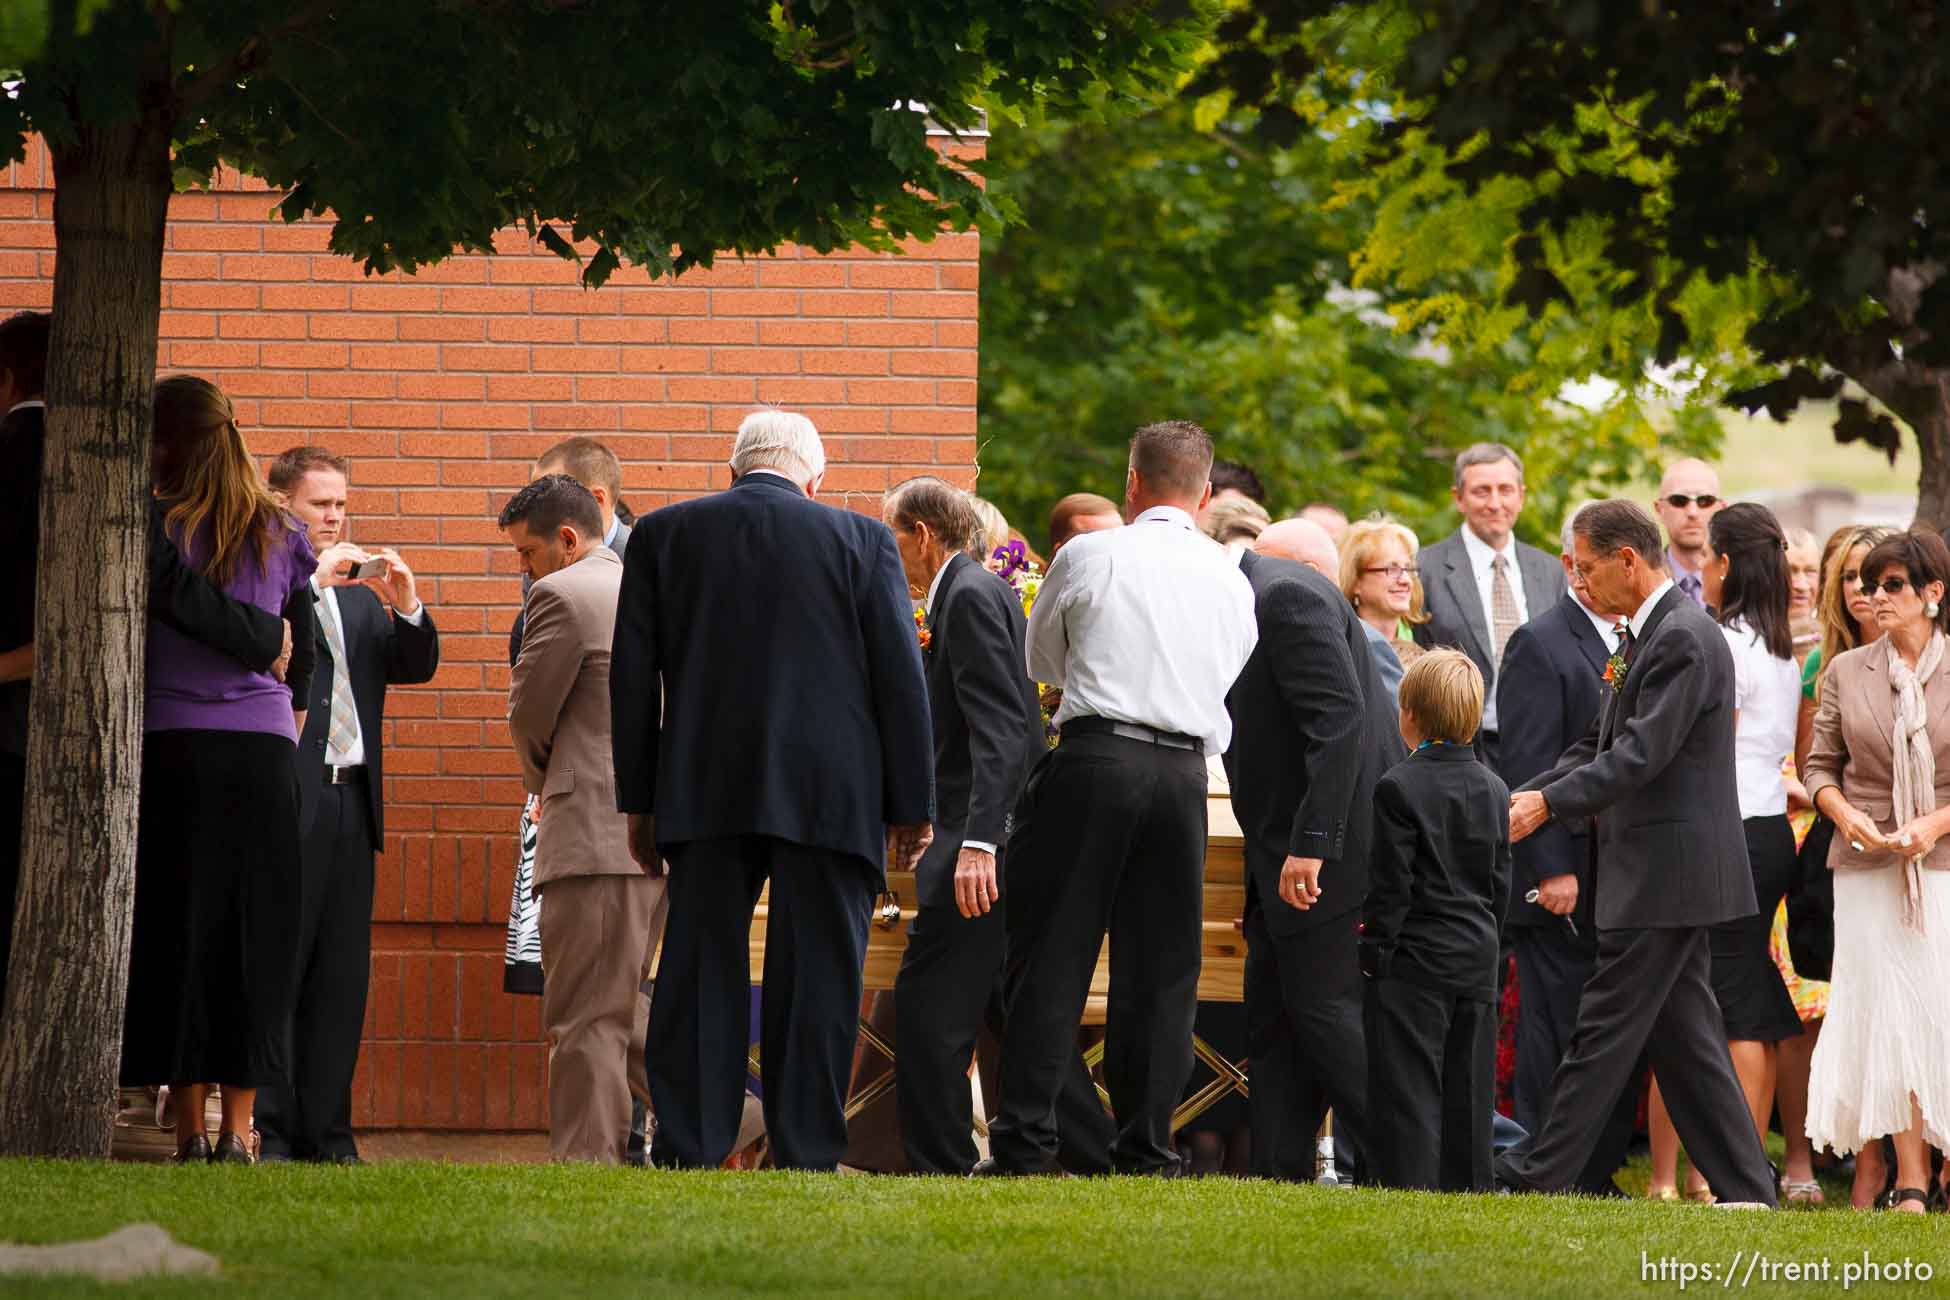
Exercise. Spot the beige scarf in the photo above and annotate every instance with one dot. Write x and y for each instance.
(1915, 762)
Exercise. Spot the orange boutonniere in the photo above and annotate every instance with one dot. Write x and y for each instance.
(1615, 671)
(921, 627)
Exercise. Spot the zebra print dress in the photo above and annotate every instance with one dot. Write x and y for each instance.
(522, 964)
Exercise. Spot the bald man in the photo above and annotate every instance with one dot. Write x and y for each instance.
(1689, 497)
(1305, 541)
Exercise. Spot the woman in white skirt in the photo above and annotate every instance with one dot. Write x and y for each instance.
(1880, 768)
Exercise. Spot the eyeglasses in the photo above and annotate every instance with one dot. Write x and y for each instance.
(1705, 501)
(1395, 572)
(1888, 586)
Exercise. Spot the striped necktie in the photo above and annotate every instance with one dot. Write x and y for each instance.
(345, 709)
(1503, 606)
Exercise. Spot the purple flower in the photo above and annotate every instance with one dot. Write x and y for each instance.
(1014, 557)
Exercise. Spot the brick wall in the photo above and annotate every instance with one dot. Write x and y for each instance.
(443, 387)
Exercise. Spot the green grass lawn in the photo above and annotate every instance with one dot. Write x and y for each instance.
(415, 1229)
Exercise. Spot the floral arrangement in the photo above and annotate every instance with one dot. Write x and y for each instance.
(1012, 564)
(921, 628)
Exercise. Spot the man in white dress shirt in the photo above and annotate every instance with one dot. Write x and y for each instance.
(1481, 584)
(1145, 628)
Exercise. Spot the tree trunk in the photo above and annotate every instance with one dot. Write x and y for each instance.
(1929, 416)
(62, 1019)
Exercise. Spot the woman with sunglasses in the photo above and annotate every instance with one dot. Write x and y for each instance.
(1880, 770)
(1745, 582)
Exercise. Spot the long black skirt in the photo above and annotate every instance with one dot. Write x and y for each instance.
(212, 962)
(1753, 998)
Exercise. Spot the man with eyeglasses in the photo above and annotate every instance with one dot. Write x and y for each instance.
(1689, 497)
(1482, 584)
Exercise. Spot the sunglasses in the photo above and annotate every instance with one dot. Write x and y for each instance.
(1705, 501)
(1888, 586)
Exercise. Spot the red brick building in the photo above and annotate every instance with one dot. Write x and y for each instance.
(443, 387)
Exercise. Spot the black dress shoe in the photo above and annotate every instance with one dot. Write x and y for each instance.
(274, 1156)
(348, 1158)
(196, 1151)
(988, 1168)
(232, 1150)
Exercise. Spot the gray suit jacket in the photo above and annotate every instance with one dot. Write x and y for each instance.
(558, 716)
(1656, 771)
(521, 615)
(1457, 618)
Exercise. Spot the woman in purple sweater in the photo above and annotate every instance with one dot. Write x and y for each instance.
(211, 978)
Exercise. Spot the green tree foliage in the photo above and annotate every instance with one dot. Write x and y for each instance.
(1781, 162)
(1175, 262)
(660, 134)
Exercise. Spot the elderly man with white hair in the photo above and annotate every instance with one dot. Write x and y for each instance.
(770, 721)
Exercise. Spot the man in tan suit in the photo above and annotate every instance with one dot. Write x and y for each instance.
(601, 913)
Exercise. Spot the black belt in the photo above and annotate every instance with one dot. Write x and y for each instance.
(345, 775)
(1095, 726)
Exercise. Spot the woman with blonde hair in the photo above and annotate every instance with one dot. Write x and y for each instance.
(216, 902)
(1379, 578)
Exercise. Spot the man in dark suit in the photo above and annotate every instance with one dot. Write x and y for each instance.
(770, 722)
(178, 595)
(1481, 584)
(1553, 672)
(1657, 773)
(988, 729)
(362, 649)
(1313, 730)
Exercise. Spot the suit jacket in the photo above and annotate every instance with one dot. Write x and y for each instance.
(385, 651)
(1554, 668)
(987, 721)
(1313, 730)
(1440, 880)
(1657, 773)
(1853, 748)
(768, 642)
(1387, 661)
(623, 531)
(178, 594)
(1457, 618)
(558, 714)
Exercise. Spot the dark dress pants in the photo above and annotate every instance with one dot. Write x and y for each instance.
(1651, 996)
(700, 1014)
(1553, 964)
(1431, 1086)
(312, 1119)
(13, 806)
(947, 990)
(1305, 1040)
(1110, 835)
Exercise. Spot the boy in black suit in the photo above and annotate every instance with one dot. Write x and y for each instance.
(1438, 886)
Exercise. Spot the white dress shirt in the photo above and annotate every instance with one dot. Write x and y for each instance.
(355, 750)
(1645, 610)
(1148, 624)
(1481, 558)
(1607, 627)
(934, 589)
(1767, 694)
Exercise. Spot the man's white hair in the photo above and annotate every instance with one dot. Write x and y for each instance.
(1566, 544)
(779, 440)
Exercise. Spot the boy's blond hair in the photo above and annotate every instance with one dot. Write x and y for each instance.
(1443, 692)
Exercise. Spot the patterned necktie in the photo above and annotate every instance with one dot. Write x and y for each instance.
(345, 709)
(1503, 606)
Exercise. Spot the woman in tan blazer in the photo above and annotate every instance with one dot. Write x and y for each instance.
(1880, 768)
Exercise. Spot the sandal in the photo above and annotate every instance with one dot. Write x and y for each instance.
(1903, 1194)
(1704, 1196)
(1794, 1191)
(1662, 1194)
